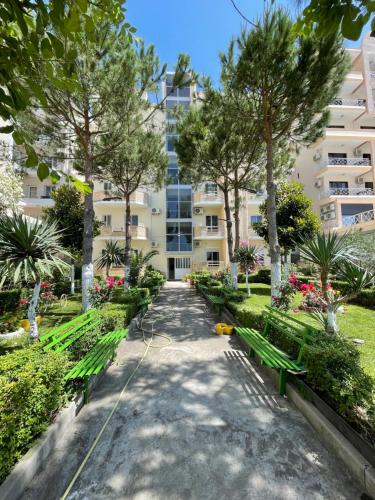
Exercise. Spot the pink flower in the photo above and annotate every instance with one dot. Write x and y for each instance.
(98, 288)
(110, 281)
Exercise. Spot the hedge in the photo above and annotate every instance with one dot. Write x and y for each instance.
(9, 300)
(366, 298)
(31, 391)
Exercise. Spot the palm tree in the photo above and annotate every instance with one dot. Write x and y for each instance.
(332, 253)
(29, 250)
(248, 257)
(138, 263)
(112, 255)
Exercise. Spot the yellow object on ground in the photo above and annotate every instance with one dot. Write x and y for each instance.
(223, 328)
(25, 323)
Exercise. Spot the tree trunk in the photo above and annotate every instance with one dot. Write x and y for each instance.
(273, 240)
(107, 271)
(236, 216)
(31, 313)
(331, 318)
(247, 283)
(128, 242)
(72, 276)
(228, 221)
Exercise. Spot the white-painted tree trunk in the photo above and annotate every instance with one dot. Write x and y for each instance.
(331, 318)
(233, 272)
(72, 276)
(275, 278)
(87, 284)
(287, 264)
(126, 277)
(31, 313)
(247, 283)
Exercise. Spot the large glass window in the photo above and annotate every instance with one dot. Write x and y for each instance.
(254, 219)
(179, 236)
(172, 104)
(170, 143)
(213, 258)
(178, 203)
(181, 92)
(212, 222)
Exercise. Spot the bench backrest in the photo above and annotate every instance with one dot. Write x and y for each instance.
(61, 337)
(297, 331)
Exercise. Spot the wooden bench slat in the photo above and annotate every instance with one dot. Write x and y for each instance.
(57, 330)
(89, 321)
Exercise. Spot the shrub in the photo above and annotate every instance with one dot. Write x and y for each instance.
(61, 287)
(366, 298)
(334, 370)
(9, 300)
(262, 276)
(250, 318)
(152, 279)
(31, 390)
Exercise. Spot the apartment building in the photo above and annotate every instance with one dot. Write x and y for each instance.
(338, 172)
(187, 226)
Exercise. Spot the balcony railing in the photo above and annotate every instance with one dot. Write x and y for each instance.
(350, 220)
(348, 192)
(346, 161)
(338, 101)
(207, 198)
(137, 198)
(209, 232)
(212, 265)
(137, 232)
(372, 74)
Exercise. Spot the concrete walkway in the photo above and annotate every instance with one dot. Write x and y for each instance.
(197, 422)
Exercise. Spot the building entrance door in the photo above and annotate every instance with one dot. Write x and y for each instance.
(171, 269)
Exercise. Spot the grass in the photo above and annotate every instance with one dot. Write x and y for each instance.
(60, 312)
(356, 323)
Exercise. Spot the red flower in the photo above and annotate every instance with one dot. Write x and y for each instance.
(23, 301)
(120, 282)
(44, 285)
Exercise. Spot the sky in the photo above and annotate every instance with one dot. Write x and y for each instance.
(200, 28)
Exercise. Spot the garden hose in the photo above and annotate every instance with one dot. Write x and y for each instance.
(148, 345)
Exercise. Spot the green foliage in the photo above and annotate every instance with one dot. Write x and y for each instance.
(112, 255)
(29, 249)
(138, 262)
(347, 16)
(61, 287)
(68, 215)
(295, 218)
(152, 279)
(365, 298)
(31, 390)
(247, 256)
(9, 300)
(334, 370)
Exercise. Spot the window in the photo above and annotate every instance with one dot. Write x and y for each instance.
(178, 203)
(107, 220)
(48, 190)
(134, 220)
(337, 155)
(179, 236)
(212, 223)
(339, 187)
(369, 185)
(172, 104)
(335, 126)
(182, 263)
(212, 258)
(170, 143)
(171, 91)
(172, 174)
(254, 219)
(108, 186)
(210, 188)
(33, 192)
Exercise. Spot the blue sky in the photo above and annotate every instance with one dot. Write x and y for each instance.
(200, 28)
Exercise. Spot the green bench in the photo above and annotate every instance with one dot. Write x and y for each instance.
(60, 338)
(270, 355)
(217, 303)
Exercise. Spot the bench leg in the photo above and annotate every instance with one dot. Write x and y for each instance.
(86, 390)
(251, 352)
(282, 382)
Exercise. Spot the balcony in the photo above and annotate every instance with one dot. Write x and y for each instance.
(137, 233)
(256, 198)
(138, 198)
(361, 218)
(358, 166)
(358, 162)
(208, 199)
(358, 191)
(38, 201)
(338, 101)
(212, 265)
(209, 232)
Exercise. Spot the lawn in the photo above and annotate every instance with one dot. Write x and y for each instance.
(60, 312)
(357, 322)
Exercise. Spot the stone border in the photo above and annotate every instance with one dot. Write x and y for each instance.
(24, 471)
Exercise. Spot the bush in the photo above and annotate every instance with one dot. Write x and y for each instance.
(366, 298)
(9, 300)
(61, 288)
(334, 370)
(31, 390)
(248, 318)
(152, 279)
(262, 276)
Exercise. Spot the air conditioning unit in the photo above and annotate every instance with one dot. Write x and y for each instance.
(197, 244)
(357, 152)
(319, 183)
(198, 211)
(359, 180)
(155, 211)
(331, 206)
(154, 244)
